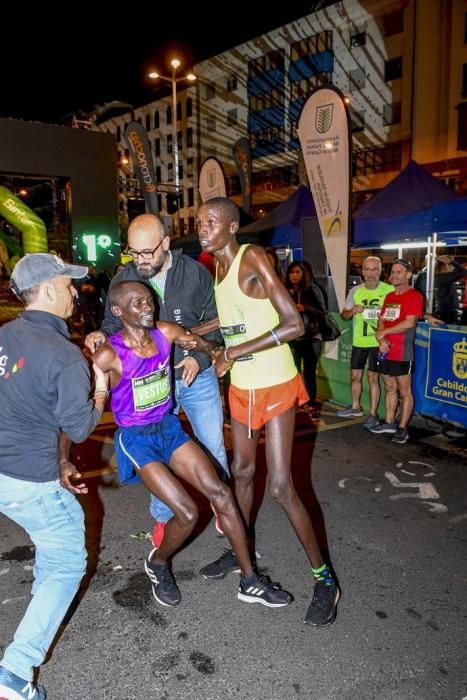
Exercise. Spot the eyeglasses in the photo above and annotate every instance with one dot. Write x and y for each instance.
(145, 254)
(405, 263)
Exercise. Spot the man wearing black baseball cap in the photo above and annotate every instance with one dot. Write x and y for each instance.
(45, 400)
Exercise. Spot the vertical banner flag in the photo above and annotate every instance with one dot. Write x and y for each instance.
(211, 180)
(242, 156)
(143, 165)
(324, 133)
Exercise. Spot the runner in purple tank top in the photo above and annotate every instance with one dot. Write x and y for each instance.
(152, 447)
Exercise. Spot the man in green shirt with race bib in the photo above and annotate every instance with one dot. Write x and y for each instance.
(363, 305)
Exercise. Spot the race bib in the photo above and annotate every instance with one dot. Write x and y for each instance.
(371, 314)
(392, 312)
(151, 390)
(235, 335)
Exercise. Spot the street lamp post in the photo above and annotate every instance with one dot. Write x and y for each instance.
(173, 80)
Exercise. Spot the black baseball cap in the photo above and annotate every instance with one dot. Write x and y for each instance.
(402, 261)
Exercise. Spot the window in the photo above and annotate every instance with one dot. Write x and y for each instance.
(189, 137)
(118, 134)
(156, 120)
(211, 124)
(393, 23)
(209, 91)
(462, 127)
(180, 140)
(357, 39)
(189, 167)
(180, 171)
(169, 143)
(357, 121)
(189, 107)
(377, 160)
(158, 173)
(159, 201)
(464, 80)
(191, 197)
(169, 114)
(191, 223)
(392, 113)
(157, 147)
(231, 83)
(179, 111)
(148, 122)
(393, 69)
(170, 172)
(232, 117)
(356, 79)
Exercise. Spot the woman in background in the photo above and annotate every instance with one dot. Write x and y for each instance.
(310, 304)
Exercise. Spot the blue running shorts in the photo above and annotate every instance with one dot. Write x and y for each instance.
(138, 445)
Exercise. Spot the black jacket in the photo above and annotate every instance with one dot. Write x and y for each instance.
(188, 300)
(44, 388)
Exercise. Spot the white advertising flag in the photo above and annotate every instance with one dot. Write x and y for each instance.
(211, 180)
(323, 130)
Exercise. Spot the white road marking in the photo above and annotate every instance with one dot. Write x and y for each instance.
(425, 490)
(4, 571)
(13, 600)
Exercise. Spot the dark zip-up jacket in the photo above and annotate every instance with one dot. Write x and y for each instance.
(188, 301)
(44, 389)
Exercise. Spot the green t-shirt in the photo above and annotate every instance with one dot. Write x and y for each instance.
(366, 322)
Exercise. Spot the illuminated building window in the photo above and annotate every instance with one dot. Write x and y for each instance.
(377, 160)
(393, 69)
(189, 167)
(392, 113)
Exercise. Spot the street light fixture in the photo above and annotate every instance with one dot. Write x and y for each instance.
(173, 80)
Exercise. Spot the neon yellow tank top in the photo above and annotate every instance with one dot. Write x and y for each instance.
(242, 318)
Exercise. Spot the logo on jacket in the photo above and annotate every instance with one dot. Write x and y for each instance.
(17, 365)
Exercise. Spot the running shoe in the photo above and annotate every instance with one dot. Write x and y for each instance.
(349, 412)
(370, 422)
(217, 523)
(260, 589)
(157, 535)
(323, 607)
(164, 588)
(226, 564)
(383, 427)
(400, 436)
(12, 687)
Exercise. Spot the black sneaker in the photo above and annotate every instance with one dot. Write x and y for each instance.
(226, 564)
(323, 607)
(260, 589)
(164, 588)
(400, 436)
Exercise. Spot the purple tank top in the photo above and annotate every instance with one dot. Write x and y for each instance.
(143, 394)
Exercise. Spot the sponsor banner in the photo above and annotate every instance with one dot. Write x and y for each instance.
(211, 180)
(440, 378)
(242, 156)
(323, 130)
(143, 165)
(14, 210)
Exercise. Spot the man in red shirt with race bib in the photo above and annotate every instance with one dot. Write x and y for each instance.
(400, 313)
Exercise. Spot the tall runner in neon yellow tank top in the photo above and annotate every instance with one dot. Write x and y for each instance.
(257, 318)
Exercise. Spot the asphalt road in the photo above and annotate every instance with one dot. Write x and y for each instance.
(394, 520)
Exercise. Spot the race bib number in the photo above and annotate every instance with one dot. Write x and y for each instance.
(235, 335)
(371, 314)
(151, 390)
(392, 312)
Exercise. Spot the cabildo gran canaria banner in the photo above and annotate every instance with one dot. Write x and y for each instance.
(440, 380)
(323, 130)
(143, 165)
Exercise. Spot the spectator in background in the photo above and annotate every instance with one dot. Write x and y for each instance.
(446, 302)
(276, 263)
(208, 261)
(310, 304)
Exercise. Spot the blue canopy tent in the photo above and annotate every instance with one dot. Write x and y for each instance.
(283, 225)
(411, 207)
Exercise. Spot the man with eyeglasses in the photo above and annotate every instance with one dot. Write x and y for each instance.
(184, 291)
(395, 334)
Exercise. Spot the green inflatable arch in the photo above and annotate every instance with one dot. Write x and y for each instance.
(25, 220)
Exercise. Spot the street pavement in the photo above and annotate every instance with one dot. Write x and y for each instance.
(394, 521)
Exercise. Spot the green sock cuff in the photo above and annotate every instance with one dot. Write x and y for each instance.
(320, 570)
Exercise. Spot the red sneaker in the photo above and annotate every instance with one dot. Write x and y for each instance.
(217, 522)
(158, 534)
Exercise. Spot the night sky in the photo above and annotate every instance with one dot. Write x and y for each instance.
(48, 73)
